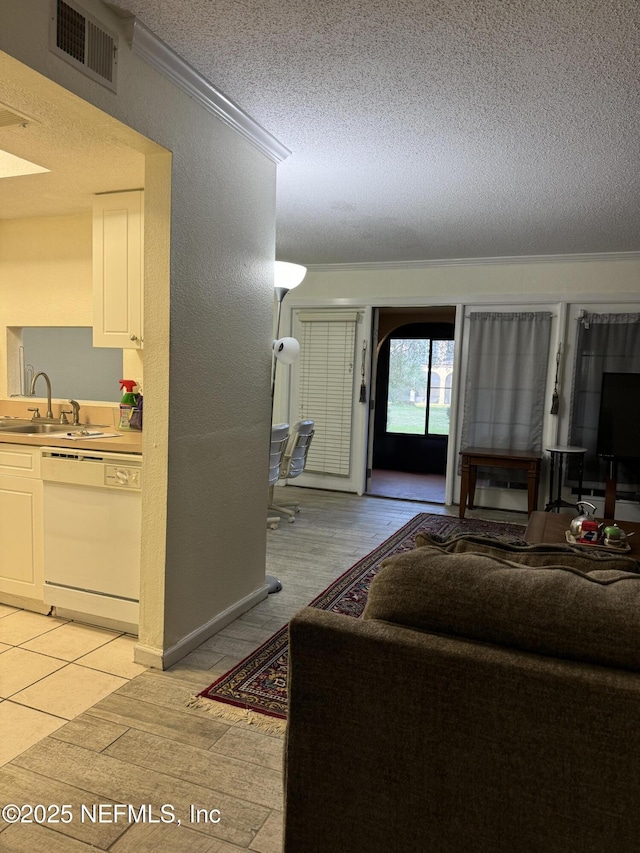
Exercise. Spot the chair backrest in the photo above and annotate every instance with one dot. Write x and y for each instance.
(279, 439)
(295, 457)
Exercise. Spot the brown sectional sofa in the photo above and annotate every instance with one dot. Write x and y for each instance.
(487, 702)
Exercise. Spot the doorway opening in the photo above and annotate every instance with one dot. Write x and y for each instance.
(412, 401)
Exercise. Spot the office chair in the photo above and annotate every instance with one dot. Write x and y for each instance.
(295, 459)
(279, 439)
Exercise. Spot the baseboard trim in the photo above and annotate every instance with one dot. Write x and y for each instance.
(159, 659)
(24, 603)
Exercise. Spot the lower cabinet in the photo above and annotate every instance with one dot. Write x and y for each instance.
(21, 558)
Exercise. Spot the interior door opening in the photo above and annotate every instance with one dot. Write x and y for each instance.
(412, 401)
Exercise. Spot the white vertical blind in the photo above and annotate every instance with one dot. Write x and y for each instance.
(327, 354)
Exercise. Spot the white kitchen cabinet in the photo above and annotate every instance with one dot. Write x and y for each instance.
(118, 221)
(21, 532)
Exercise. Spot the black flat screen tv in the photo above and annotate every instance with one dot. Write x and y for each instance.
(619, 420)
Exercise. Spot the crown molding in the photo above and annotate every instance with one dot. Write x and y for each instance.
(466, 262)
(146, 45)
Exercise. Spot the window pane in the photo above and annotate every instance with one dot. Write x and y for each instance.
(407, 395)
(440, 397)
(434, 393)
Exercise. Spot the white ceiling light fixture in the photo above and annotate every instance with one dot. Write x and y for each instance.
(286, 276)
(13, 167)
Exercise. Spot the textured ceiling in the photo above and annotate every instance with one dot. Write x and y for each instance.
(426, 129)
(85, 150)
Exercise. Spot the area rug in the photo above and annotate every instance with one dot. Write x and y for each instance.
(256, 689)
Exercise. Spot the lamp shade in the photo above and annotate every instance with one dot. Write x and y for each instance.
(286, 350)
(287, 275)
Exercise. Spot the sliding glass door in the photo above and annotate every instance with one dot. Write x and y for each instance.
(413, 398)
(419, 387)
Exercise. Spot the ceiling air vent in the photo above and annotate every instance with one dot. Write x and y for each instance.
(84, 42)
(11, 118)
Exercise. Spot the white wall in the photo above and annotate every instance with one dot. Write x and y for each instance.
(561, 285)
(207, 336)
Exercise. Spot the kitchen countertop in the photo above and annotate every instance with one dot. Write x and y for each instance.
(127, 441)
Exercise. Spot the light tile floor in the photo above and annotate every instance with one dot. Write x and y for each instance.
(52, 670)
(143, 742)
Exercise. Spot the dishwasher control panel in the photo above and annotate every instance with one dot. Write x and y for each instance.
(123, 476)
(121, 471)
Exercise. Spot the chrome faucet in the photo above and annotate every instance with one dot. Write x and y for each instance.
(48, 381)
(76, 411)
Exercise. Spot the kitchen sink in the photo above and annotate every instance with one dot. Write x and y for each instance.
(35, 429)
(7, 423)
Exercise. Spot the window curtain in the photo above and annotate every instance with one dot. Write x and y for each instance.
(606, 343)
(505, 387)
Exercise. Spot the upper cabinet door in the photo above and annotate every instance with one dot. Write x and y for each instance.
(118, 222)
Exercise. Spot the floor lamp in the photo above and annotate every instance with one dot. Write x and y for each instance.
(286, 276)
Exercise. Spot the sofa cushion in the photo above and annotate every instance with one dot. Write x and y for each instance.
(557, 611)
(531, 555)
(449, 540)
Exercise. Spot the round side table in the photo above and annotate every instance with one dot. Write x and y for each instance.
(558, 452)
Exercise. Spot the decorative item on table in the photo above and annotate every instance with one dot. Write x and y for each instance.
(589, 532)
(614, 537)
(584, 514)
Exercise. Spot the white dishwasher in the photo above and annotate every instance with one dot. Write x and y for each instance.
(92, 509)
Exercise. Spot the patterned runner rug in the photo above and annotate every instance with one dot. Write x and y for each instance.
(256, 689)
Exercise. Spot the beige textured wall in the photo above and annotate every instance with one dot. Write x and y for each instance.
(45, 275)
(207, 337)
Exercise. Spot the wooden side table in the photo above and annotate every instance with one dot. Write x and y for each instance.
(525, 460)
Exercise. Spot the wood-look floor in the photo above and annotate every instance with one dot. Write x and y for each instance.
(143, 746)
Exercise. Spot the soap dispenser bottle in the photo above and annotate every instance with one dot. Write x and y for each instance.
(136, 416)
(127, 404)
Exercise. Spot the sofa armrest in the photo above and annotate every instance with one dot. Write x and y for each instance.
(403, 740)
